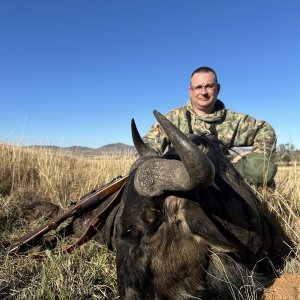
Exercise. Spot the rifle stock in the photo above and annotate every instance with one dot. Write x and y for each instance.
(86, 203)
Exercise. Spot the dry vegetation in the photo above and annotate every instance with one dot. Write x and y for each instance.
(27, 175)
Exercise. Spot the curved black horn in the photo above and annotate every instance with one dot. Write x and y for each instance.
(140, 146)
(199, 167)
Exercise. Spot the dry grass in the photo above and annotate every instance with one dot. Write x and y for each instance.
(28, 175)
(285, 202)
(88, 273)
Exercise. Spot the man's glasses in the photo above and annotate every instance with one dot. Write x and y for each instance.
(208, 86)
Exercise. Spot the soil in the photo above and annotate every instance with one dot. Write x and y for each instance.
(287, 287)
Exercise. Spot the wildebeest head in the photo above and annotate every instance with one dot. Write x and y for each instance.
(191, 168)
(188, 223)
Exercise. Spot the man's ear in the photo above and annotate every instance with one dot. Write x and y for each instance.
(190, 91)
(218, 88)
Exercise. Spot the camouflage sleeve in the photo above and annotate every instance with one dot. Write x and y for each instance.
(156, 138)
(256, 133)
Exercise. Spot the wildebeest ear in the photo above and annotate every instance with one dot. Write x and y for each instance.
(200, 225)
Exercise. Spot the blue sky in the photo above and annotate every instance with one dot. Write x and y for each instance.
(76, 72)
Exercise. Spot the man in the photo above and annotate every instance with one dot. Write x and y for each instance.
(205, 113)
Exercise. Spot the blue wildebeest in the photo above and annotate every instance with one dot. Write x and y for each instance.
(189, 227)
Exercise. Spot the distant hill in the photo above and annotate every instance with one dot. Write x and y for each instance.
(118, 149)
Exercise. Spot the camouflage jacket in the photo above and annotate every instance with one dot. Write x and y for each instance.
(232, 128)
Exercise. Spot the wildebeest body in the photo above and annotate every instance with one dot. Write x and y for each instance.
(189, 227)
(166, 245)
(208, 241)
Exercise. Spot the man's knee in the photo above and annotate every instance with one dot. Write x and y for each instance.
(256, 168)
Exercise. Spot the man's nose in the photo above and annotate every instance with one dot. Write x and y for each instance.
(203, 90)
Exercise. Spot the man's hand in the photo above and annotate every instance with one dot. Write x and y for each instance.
(239, 156)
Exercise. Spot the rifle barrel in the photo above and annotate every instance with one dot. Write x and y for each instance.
(88, 202)
(31, 236)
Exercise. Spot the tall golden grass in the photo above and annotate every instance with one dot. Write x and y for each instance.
(89, 272)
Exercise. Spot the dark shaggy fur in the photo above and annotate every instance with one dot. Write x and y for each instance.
(211, 242)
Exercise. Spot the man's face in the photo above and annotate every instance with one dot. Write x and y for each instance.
(204, 92)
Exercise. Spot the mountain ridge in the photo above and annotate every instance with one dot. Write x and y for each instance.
(115, 149)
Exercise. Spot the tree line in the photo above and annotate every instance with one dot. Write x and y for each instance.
(287, 154)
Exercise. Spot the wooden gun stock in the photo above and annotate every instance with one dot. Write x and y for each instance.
(84, 204)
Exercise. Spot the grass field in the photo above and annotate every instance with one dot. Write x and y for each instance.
(27, 175)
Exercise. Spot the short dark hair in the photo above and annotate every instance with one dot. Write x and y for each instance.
(205, 70)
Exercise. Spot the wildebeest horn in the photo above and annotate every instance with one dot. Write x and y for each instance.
(196, 162)
(141, 148)
(157, 175)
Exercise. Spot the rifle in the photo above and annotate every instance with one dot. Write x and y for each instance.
(86, 203)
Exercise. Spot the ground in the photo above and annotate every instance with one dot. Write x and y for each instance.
(287, 287)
